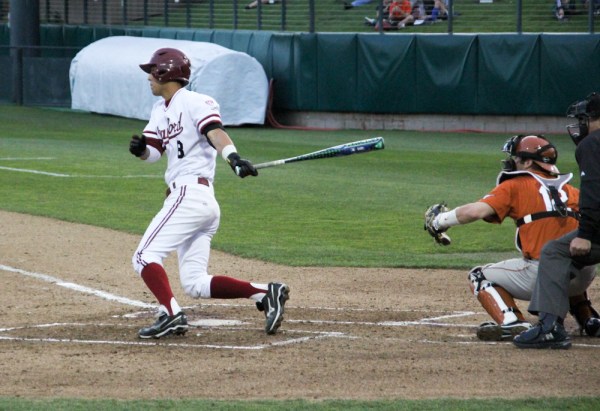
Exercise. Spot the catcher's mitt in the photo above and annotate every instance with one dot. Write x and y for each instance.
(439, 236)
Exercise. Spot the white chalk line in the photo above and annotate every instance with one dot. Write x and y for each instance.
(330, 334)
(321, 308)
(26, 158)
(427, 322)
(423, 322)
(123, 300)
(61, 175)
(135, 303)
(76, 287)
(25, 170)
(169, 344)
(316, 335)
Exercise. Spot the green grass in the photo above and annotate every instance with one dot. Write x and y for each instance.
(365, 210)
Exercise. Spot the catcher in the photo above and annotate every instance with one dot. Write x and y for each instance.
(531, 191)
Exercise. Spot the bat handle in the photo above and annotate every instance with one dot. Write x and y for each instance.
(269, 164)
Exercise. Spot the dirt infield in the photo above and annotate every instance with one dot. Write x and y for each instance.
(73, 305)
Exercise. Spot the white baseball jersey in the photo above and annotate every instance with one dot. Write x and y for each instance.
(178, 129)
(190, 215)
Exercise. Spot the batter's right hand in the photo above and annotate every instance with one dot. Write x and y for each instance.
(137, 145)
(240, 166)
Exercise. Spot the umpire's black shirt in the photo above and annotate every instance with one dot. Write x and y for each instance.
(587, 155)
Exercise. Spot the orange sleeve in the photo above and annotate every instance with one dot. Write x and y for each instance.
(500, 200)
(521, 196)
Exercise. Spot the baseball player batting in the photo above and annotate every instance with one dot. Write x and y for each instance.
(186, 127)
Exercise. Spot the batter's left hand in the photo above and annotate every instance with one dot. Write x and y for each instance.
(240, 166)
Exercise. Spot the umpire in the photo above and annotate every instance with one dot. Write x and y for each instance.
(560, 258)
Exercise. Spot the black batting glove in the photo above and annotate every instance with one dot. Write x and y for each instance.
(137, 145)
(240, 166)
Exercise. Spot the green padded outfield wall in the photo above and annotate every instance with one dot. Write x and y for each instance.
(508, 74)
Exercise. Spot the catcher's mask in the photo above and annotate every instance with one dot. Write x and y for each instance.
(534, 147)
(169, 64)
(583, 111)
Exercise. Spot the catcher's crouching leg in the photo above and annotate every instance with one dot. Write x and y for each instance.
(500, 305)
(585, 315)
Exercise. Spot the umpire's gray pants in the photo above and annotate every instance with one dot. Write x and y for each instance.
(556, 270)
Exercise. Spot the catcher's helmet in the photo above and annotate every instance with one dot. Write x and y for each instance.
(169, 64)
(536, 148)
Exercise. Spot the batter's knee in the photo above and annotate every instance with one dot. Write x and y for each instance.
(197, 286)
(137, 266)
(141, 259)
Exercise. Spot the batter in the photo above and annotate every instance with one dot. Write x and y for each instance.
(186, 127)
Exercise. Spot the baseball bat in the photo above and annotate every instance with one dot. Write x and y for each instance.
(355, 147)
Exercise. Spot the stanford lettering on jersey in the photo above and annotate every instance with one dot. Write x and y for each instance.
(172, 130)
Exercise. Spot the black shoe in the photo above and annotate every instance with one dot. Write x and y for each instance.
(348, 6)
(273, 305)
(490, 331)
(592, 327)
(165, 325)
(535, 337)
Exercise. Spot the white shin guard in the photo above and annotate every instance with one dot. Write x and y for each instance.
(499, 304)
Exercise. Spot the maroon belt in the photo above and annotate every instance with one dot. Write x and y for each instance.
(201, 180)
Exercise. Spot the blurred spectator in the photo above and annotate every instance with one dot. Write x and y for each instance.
(356, 3)
(419, 14)
(398, 11)
(401, 15)
(440, 10)
(386, 6)
(562, 8)
(394, 12)
(254, 4)
(428, 5)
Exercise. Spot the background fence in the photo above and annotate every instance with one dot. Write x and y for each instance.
(468, 16)
(502, 74)
(417, 72)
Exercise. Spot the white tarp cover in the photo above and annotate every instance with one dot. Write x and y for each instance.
(105, 77)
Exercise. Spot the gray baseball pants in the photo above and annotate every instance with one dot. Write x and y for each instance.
(556, 271)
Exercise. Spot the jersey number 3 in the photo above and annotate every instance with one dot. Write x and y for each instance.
(180, 152)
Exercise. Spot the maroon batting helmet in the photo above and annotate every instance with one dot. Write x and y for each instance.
(171, 65)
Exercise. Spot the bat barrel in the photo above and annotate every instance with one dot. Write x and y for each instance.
(356, 147)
